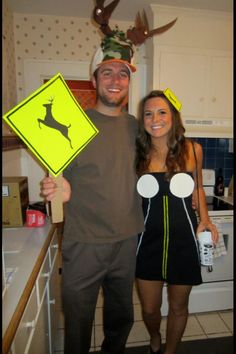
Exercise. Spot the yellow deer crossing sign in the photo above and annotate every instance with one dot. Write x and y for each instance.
(52, 124)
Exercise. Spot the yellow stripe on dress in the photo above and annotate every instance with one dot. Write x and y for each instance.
(165, 236)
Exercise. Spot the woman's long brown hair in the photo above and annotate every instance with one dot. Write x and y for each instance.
(177, 148)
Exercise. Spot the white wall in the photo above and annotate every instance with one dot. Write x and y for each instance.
(58, 38)
(21, 162)
(11, 161)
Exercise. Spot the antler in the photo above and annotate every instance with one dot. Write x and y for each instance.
(138, 34)
(102, 14)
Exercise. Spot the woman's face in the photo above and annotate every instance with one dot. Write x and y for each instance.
(157, 117)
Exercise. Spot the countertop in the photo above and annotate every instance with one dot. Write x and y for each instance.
(23, 251)
(228, 199)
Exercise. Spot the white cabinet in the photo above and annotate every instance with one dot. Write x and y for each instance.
(202, 80)
(26, 326)
(40, 342)
(36, 330)
(54, 292)
(220, 95)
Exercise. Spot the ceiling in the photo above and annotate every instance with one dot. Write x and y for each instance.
(125, 11)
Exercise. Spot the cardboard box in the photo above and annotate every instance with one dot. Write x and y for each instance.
(15, 200)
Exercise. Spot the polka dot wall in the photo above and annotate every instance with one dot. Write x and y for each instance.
(9, 75)
(58, 38)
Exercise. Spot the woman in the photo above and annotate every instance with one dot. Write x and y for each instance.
(167, 249)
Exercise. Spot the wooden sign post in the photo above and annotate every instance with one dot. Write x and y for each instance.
(55, 128)
(56, 203)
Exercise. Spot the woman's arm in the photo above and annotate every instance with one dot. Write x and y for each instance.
(205, 222)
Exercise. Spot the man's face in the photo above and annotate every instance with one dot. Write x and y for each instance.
(112, 84)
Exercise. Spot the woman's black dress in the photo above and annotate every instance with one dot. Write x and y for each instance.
(167, 249)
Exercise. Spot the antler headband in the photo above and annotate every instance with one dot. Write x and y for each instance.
(138, 34)
(116, 45)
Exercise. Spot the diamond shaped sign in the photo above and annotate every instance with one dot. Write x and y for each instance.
(52, 124)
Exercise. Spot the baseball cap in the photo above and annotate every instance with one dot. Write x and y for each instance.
(114, 48)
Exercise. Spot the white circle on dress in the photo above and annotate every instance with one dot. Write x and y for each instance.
(181, 185)
(147, 186)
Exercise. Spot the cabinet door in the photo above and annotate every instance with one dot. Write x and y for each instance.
(185, 74)
(220, 103)
(54, 248)
(40, 340)
(26, 326)
(202, 81)
(55, 307)
(43, 276)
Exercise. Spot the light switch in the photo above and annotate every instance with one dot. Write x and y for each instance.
(5, 191)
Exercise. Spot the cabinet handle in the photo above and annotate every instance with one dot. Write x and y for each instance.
(30, 324)
(53, 301)
(45, 275)
(213, 99)
(54, 246)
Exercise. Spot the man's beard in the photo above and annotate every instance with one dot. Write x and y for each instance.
(107, 102)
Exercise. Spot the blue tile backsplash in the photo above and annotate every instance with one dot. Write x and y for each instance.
(216, 154)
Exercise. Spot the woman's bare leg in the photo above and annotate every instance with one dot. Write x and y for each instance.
(150, 293)
(178, 298)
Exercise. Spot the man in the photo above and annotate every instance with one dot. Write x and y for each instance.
(103, 213)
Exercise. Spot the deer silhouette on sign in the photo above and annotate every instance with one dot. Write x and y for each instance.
(51, 122)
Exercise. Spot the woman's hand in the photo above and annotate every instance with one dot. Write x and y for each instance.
(210, 227)
(49, 188)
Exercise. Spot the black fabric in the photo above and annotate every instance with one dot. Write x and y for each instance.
(168, 249)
